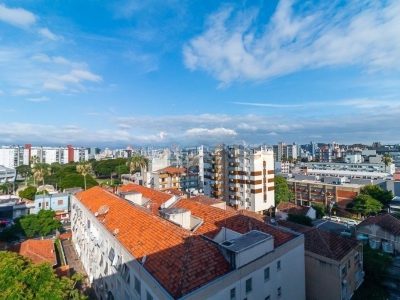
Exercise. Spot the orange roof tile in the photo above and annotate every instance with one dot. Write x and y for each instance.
(39, 251)
(385, 221)
(156, 198)
(215, 218)
(181, 262)
(206, 200)
(292, 208)
(172, 170)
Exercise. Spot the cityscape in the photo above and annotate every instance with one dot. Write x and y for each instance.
(196, 150)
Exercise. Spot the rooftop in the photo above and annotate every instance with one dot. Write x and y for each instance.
(172, 170)
(180, 260)
(39, 251)
(385, 221)
(292, 208)
(322, 242)
(156, 198)
(248, 239)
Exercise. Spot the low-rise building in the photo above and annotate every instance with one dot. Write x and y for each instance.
(382, 232)
(284, 209)
(334, 264)
(59, 202)
(38, 251)
(184, 250)
(7, 174)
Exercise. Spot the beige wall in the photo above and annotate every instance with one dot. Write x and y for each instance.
(323, 275)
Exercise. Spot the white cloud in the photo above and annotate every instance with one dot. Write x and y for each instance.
(45, 32)
(358, 33)
(38, 99)
(213, 132)
(16, 16)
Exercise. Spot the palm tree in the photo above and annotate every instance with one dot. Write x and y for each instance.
(138, 162)
(39, 172)
(84, 170)
(387, 160)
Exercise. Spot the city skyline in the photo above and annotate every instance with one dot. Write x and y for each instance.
(173, 72)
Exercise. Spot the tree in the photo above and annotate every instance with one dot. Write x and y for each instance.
(41, 224)
(138, 162)
(387, 160)
(319, 209)
(365, 205)
(84, 170)
(25, 171)
(21, 279)
(40, 170)
(377, 193)
(282, 192)
(73, 180)
(28, 193)
(300, 219)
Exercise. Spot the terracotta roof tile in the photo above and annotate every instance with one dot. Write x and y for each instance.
(206, 200)
(385, 221)
(180, 262)
(39, 251)
(322, 242)
(292, 208)
(156, 198)
(172, 170)
(215, 218)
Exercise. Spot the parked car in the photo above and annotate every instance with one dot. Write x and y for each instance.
(352, 222)
(335, 219)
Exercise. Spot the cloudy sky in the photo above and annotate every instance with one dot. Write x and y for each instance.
(132, 72)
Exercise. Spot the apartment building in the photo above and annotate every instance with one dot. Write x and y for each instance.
(176, 178)
(333, 264)
(14, 156)
(185, 249)
(307, 192)
(243, 177)
(284, 152)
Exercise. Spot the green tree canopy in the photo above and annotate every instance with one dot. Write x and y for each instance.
(24, 170)
(21, 279)
(282, 192)
(319, 209)
(365, 205)
(105, 168)
(41, 224)
(300, 219)
(76, 180)
(28, 193)
(378, 193)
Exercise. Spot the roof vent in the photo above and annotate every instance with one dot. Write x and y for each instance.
(116, 231)
(102, 210)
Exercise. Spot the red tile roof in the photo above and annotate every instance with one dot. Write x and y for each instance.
(292, 208)
(215, 218)
(181, 262)
(172, 170)
(174, 192)
(385, 221)
(322, 242)
(206, 200)
(39, 251)
(156, 198)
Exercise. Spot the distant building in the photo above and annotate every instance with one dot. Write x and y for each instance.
(284, 209)
(184, 250)
(284, 152)
(7, 174)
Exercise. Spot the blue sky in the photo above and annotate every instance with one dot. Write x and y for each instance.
(188, 72)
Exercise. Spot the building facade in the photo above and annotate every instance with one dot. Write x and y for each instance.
(243, 177)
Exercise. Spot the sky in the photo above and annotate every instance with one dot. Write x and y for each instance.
(163, 72)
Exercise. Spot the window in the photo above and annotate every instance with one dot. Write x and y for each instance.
(233, 294)
(279, 291)
(60, 202)
(148, 296)
(266, 274)
(40, 205)
(278, 265)
(88, 224)
(349, 264)
(344, 271)
(248, 285)
(111, 254)
(137, 286)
